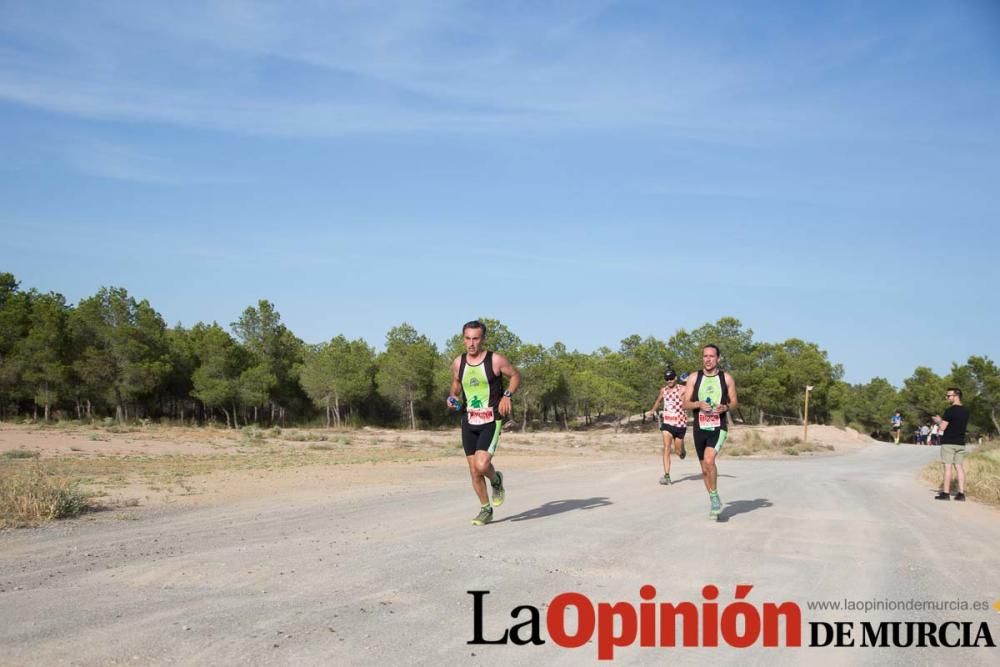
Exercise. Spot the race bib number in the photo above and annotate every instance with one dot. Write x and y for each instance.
(709, 421)
(479, 416)
(674, 420)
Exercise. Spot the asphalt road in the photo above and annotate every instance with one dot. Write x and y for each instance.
(380, 575)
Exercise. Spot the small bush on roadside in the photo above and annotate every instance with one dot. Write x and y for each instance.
(251, 434)
(20, 454)
(29, 496)
(123, 428)
(308, 436)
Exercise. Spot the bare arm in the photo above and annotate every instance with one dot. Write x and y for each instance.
(689, 402)
(456, 382)
(733, 398)
(502, 365)
(659, 397)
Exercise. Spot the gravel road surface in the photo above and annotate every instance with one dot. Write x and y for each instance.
(379, 575)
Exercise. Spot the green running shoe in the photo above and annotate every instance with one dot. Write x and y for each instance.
(716, 506)
(665, 480)
(499, 495)
(484, 517)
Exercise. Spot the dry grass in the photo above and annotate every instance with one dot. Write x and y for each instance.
(39, 490)
(982, 473)
(20, 454)
(30, 495)
(749, 443)
(181, 461)
(304, 436)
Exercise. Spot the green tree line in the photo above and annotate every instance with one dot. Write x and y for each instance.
(112, 355)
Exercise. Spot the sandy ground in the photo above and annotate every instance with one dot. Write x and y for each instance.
(228, 482)
(372, 563)
(155, 441)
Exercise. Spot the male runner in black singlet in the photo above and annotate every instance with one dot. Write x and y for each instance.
(477, 376)
(711, 393)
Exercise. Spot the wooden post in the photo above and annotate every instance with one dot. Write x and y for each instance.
(805, 421)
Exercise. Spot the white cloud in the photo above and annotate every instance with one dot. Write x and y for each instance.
(319, 69)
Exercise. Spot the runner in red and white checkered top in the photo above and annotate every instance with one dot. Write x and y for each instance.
(673, 420)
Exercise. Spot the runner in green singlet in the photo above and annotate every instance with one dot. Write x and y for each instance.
(711, 393)
(477, 376)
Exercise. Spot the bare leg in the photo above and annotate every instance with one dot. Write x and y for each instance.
(480, 469)
(960, 471)
(946, 487)
(708, 469)
(667, 437)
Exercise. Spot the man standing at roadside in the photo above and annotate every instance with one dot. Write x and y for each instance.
(711, 393)
(673, 420)
(954, 422)
(477, 377)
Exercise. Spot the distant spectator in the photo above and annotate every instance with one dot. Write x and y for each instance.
(925, 431)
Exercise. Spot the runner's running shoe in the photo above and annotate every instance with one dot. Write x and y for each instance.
(665, 480)
(484, 517)
(684, 452)
(716, 509)
(499, 495)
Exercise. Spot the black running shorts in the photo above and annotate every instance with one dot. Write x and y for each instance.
(714, 439)
(676, 431)
(483, 438)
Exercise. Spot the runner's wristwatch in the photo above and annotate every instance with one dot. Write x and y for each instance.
(507, 393)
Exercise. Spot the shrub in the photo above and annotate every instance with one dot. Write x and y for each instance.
(251, 434)
(29, 496)
(20, 454)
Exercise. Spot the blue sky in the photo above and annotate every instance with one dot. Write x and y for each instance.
(580, 170)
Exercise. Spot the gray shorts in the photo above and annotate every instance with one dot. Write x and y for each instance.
(952, 454)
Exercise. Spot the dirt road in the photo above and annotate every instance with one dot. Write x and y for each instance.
(380, 574)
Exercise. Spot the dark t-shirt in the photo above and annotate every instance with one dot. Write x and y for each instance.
(957, 417)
